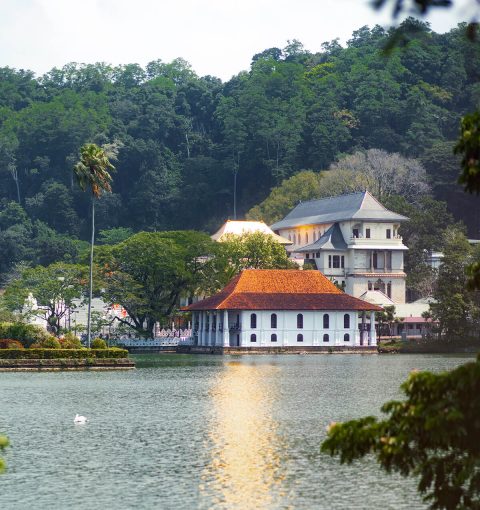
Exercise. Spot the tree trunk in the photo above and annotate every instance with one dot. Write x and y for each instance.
(235, 194)
(89, 317)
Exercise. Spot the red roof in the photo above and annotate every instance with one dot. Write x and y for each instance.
(281, 289)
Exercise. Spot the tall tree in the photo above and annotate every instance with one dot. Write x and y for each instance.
(93, 174)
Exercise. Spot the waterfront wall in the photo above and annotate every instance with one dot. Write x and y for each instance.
(198, 349)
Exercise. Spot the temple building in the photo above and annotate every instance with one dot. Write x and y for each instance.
(282, 308)
(239, 227)
(353, 239)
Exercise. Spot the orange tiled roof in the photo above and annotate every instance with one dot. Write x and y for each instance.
(280, 289)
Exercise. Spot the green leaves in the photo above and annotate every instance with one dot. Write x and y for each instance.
(432, 434)
(92, 171)
(469, 147)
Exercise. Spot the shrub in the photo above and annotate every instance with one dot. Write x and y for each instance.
(62, 353)
(50, 343)
(27, 334)
(70, 341)
(9, 343)
(98, 343)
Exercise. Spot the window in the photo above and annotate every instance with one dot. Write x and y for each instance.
(346, 321)
(336, 261)
(389, 233)
(326, 338)
(355, 232)
(253, 338)
(273, 321)
(306, 238)
(308, 256)
(343, 261)
(318, 254)
(300, 321)
(326, 321)
(273, 338)
(329, 261)
(346, 337)
(299, 337)
(253, 321)
(367, 233)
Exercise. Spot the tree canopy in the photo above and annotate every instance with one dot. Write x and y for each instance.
(183, 137)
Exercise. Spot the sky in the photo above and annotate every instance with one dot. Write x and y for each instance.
(217, 37)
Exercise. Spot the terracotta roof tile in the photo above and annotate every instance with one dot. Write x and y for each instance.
(255, 289)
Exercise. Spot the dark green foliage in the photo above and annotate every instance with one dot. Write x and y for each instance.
(432, 434)
(62, 353)
(184, 137)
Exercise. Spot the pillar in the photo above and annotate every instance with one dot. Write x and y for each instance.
(200, 328)
(372, 337)
(363, 330)
(226, 329)
(217, 327)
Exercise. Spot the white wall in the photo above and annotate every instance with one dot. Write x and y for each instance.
(287, 331)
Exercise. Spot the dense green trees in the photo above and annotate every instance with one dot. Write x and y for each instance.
(186, 139)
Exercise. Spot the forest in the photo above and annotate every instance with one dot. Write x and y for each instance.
(182, 139)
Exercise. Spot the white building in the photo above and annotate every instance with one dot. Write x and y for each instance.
(239, 227)
(282, 308)
(352, 239)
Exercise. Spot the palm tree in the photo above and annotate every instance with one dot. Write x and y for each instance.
(93, 174)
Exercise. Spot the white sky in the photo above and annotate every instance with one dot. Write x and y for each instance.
(217, 37)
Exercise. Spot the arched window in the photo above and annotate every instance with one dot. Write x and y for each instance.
(326, 338)
(253, 321)
(306, 237)
(346, 337)
(326, 321)
(346, 321)
(300, 338)
(273, 338)
(273, 321)
(300, 321)
(253, 338)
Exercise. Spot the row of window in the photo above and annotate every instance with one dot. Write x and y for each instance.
(297, 238)
(273, 337)
(273, 321)
(356, 233)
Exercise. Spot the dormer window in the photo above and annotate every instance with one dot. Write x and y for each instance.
(367, 233)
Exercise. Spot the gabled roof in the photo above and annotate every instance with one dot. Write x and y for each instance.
(281, 289)
(242, 227)
(361, 206)
(332, 239)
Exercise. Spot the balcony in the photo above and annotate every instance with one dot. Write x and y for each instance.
(236, 327)
(367, 242)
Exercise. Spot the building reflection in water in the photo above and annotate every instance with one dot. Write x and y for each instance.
(245, 469)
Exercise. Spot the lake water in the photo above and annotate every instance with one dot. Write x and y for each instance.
(188, 432)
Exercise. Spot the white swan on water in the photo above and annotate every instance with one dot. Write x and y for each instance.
(79, 419)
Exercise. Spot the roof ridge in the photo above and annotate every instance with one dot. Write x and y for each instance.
(331, 197)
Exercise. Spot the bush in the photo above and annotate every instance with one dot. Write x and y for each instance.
(8, 343)
(98, 343)
(62, 353)
(27, 334)
(50, 343)
(70, 341)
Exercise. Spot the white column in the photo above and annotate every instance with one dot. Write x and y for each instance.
(217, 327)
(314, 328)
(210, 327)
(372, 337)
(226, 329)
(200, 328)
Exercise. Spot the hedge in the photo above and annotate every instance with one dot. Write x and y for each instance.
(62, 353)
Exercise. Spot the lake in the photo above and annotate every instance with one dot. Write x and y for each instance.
(201, 432)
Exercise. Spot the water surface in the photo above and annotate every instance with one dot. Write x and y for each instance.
(187, 432)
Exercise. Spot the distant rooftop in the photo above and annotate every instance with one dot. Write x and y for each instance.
(332, 239)
(361, 206)
(242, 227)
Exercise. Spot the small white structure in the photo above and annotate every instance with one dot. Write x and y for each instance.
(282, 308)
(351, 238)
(246, 227)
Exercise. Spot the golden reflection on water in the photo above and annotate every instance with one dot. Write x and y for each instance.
(245, 468)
